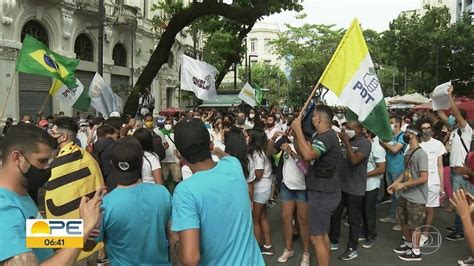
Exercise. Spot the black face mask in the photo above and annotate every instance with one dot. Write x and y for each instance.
(36, 179)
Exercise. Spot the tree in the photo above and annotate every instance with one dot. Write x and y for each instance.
(244, 12)
(306, 50)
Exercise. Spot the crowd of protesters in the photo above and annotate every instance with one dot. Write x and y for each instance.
(219, 171)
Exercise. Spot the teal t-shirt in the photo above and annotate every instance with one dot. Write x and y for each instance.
(395, 161)
(217, 203)
(14, 210)
(134, 225)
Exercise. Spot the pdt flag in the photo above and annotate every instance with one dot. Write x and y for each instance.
(198, 77)
(35, 58)
(351, 76)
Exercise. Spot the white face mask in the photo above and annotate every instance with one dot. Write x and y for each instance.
(351, 133)
(277, 116)
(251, 116)
(168, 127)
(392, 126)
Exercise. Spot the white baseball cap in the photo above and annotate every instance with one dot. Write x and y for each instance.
(114, 114)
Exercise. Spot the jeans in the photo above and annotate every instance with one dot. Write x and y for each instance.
(391, 177)
(460, 183)
(368, 213)
(354, 213)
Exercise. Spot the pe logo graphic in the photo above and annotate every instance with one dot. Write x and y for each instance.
(54, 233)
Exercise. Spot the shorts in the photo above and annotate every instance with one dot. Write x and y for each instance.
(171, 168)
(411, 214)
(287, 194)
(262, 197)
(433, 196)
(321, 207)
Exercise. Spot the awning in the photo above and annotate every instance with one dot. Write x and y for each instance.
(223, 100)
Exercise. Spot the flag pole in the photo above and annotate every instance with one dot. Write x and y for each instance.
(44, 104)
(8, 94)
(309, 99)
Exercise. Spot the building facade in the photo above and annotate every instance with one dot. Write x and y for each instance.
(69, 27)
(259, 47)
(457, 8)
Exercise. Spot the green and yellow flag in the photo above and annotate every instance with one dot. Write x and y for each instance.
(258, 95)
(36, 58)
(351, 76)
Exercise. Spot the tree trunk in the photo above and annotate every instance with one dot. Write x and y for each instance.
(181, 19)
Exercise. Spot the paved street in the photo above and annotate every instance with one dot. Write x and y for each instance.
(381, 253)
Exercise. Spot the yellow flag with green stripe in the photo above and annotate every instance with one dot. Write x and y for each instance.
(36, 58)
(350, 74)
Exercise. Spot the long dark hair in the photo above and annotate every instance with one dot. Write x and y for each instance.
(235, 145)
(258, 141)
(145, 138)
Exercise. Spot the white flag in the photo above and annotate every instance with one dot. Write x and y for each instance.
(440, 97)
(69, 96)
(199, 77)
(103, 99)
(247, 94)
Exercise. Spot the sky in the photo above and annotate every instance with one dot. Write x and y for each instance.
(372, 14)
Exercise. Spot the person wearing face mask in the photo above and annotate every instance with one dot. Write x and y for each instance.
(395, 166)
(170, 164)
(323, 181)
(74, 174)
(26, 152)
(435, 151)
(458, 147)
(8, 124)
(250, 121)
(412, 189)
(217, 133)
(340, 116)
(272, 128)
(354, 181)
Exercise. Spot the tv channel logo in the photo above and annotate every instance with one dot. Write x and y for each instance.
(54, 233)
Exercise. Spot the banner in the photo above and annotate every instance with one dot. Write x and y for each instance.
(350, 74)
(103, 99)
(198, 77)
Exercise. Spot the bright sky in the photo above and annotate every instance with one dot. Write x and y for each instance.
(372, 14)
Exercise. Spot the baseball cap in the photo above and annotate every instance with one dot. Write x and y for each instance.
(82, 123)
(127, 157)
(191, 138)
(114, 114)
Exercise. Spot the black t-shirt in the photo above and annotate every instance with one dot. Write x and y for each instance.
(323, 174)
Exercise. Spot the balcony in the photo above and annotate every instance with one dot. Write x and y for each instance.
(87, 6)
(126, 15)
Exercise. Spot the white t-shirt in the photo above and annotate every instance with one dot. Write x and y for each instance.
(151, 162)
(377, 155)
(433, 148)
(272, 131)
(292, 175)
(186, 171)
(458, 154)
(170, 155)
(259, 161)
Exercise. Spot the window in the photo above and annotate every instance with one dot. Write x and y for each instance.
(253, 45)
(268, 46)
(83, 48)
(35, 29)
(119, 55)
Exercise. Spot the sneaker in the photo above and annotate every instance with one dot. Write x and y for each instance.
(266, 251)
(386, 201)
(362, 238)
(387, 219)
(401, 249)
(423, 240)
(368, 243)
(334, 246)
(467, 262)
(410, 256)
(286, 255)
(349, 254)
(397, 228)
(305, 259)
(454, 236)
(450, 229)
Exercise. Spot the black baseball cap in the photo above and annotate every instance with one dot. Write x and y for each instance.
(191, 138)
(127, 159)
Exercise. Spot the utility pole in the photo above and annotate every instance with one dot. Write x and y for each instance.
(100, 56)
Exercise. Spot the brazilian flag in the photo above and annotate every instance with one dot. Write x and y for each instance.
(36, 58)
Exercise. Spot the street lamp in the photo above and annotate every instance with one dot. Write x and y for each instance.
(250, 68)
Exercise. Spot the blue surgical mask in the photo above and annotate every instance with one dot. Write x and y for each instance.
(451, 121)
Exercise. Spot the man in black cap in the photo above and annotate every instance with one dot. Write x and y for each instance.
(135, 213)
(211, 209)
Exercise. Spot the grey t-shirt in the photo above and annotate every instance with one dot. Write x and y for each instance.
(418, 163)
(322, 175)
(354, 179)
